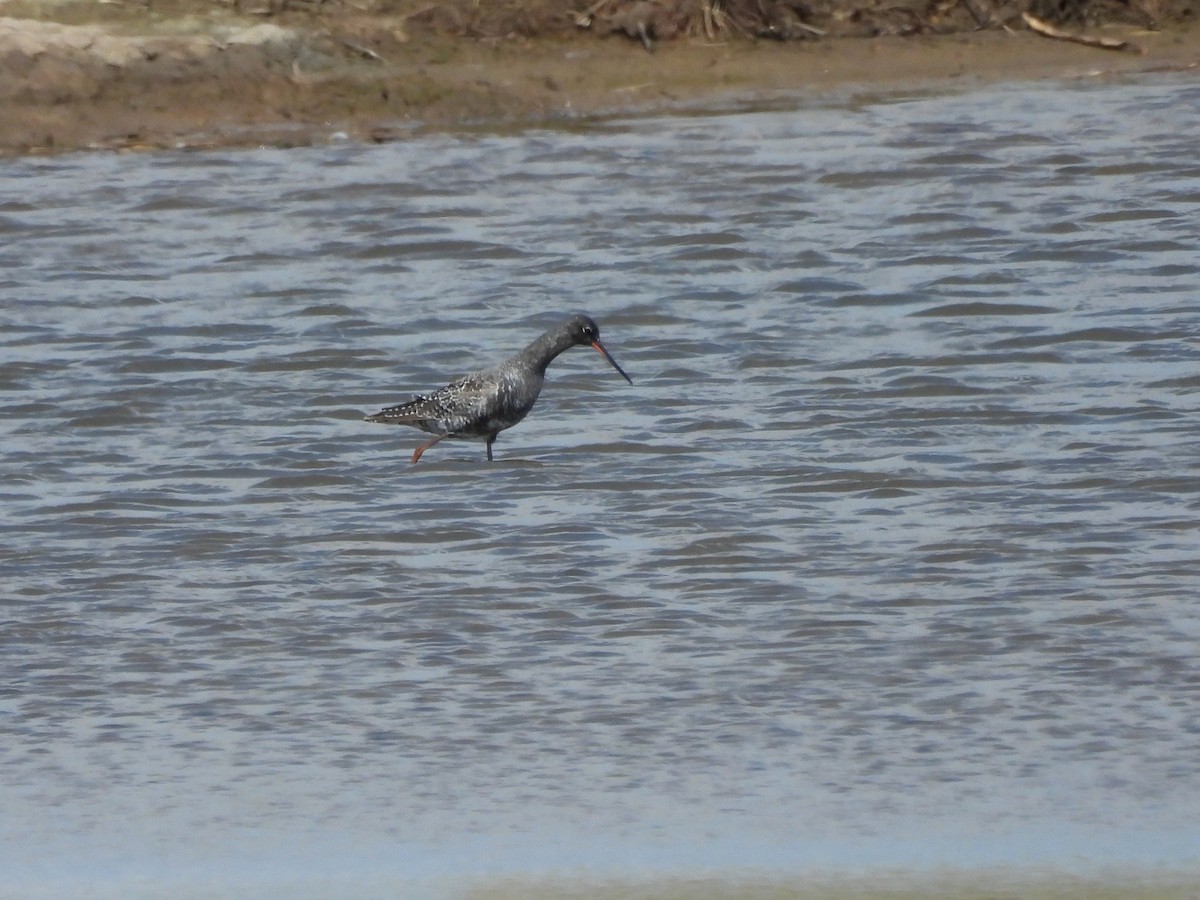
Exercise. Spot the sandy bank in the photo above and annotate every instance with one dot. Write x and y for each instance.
(964, 885)
(224, 81)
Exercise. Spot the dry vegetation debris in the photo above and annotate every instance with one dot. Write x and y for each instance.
(785, 20)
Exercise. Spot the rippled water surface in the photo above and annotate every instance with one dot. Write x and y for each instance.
(890, 555)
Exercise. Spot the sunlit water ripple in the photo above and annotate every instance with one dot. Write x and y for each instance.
(888, 556)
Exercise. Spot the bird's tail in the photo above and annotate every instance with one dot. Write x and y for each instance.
(405, 414)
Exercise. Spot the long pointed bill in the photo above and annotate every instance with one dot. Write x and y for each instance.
(612, 362)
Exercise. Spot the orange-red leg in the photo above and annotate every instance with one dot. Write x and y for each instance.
(425, 446)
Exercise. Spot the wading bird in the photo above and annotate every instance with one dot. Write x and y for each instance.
(479, 406)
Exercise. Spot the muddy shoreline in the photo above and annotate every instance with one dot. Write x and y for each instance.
(222, 81)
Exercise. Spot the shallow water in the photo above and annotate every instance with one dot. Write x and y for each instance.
(888, 557)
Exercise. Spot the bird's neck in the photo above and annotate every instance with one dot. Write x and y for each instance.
(541, 352)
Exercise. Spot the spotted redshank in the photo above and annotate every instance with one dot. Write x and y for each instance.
(479, 406)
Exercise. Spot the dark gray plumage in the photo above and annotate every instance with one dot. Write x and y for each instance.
(481, 405)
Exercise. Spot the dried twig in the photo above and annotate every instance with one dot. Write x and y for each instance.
(418, 12)
(712, 19)
(983, 18)
(1103, 43)
(362, 51)
(588, 16)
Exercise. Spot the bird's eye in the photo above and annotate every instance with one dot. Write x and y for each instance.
(588, 330)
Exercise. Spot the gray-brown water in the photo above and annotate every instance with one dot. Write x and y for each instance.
(890, 555)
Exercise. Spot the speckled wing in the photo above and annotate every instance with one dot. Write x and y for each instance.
(448, 410)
